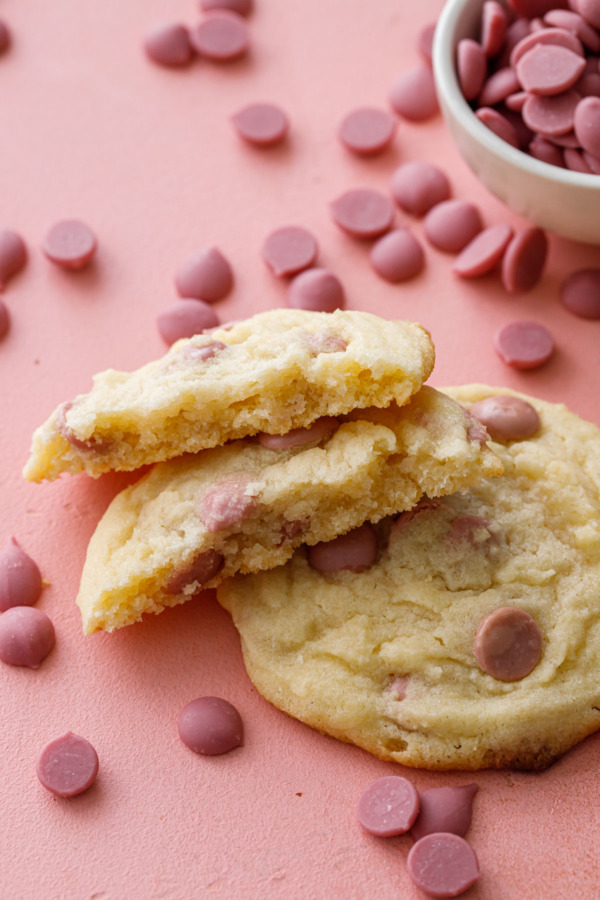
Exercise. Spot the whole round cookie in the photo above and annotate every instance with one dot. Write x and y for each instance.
(473, 641)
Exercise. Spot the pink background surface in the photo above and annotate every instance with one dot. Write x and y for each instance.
(149, 159)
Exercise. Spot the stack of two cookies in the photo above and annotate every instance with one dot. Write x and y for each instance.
(289, 429)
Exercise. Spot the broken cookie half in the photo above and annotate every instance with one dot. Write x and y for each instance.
(276, 371)
(192, 522)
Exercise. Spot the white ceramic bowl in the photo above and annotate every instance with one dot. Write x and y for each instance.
(553, 198)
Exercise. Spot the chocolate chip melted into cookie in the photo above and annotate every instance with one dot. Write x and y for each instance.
(449, 541)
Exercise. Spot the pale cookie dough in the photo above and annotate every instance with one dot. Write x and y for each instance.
(273, 372)
(385, 659)
(154, 546)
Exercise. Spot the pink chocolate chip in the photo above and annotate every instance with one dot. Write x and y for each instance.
(418, 186)
(20, 577)
(261, 124)
(413, 95)
(546, 151)
(362, 212)
(325, 343)
(494, 24)
(194, 354)
(354, 551)
(70, 244)
(516, 102)
(552, 116)
(201, 570)
(367, 130)
(442, 865)
(290, 530)
(516, 31)
(499, 86)
(587, 124)
(499, 124)
(26, 636)
(524, 134)
(524, 260)
(4, 319)
(221, 36)
(592, 161)
(205, 275)
(317, 290)
(289, 250)
(574, 160)
(556, 37)
(210, 726)
(471, 65)
(484, 252)
(507, 418)
(397, 256)
(508, 644)
(445, 809)
(451, 225)
(572, 21)
(227, 503)
(580, 293)
(524, 345)
(589, 9)
(13, 255)
(563, 140)
(241, 7)
(532, 9)
(185, 318)
(68, 765)
(389, 806)
(200, 354)
(397, 688)
(475, 430)
(474, 530)
(588, 85)
(169, 45)
(420, 508)
(298, 437)
(93, 443)
(548, 69)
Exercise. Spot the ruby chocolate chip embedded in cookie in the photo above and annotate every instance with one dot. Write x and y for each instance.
(228, 502)
(354, 551)
(507, 418)
(508, 644)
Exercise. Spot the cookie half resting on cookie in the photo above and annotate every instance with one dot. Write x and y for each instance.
(244, 507)
(473, 640)
(276, 371)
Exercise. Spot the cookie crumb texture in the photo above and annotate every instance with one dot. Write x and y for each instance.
(331, 649)
(273, 372)
(191, 522)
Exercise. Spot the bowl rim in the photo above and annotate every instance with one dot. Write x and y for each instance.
(447, 87)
